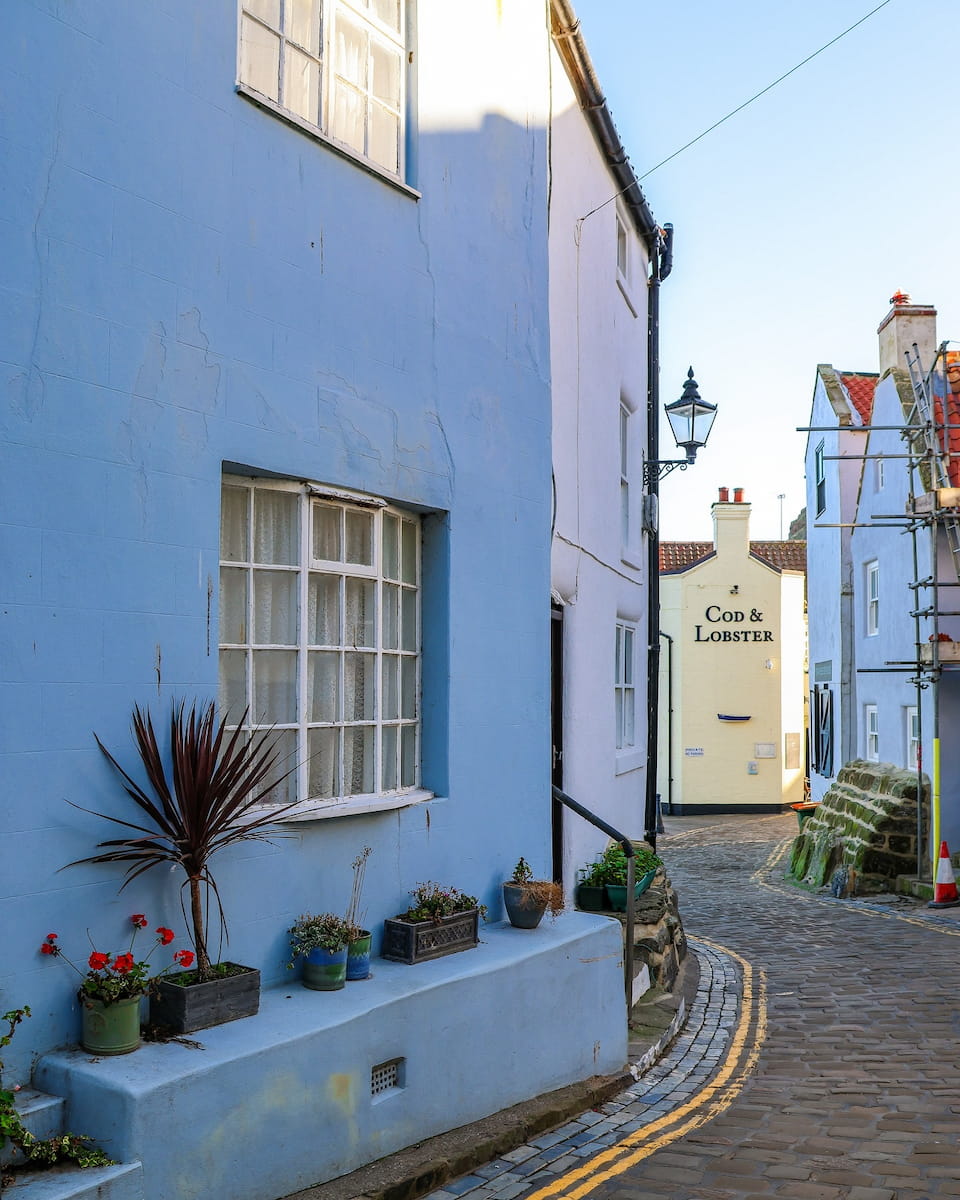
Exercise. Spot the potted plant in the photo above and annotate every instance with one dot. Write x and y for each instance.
(441, 920)
(358, 950)
(591, 886)
(113, 986)
(526, 899)
(321, 941)
(219, 778)
(645, 866)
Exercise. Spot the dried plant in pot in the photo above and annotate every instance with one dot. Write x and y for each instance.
(526, 899)
(218, 782)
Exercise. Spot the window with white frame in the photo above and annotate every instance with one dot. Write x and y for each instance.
(624, 685)
(623, 250)
(820, 479)
(871, 732)
(873, 597)
(335, 66)
(912, 737)
(878, 474)
(624, 476)
(320, 635)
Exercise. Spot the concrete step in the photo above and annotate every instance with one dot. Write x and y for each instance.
(40, 1113)
(121, 1182)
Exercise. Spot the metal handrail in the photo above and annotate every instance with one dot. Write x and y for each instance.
(629, 851)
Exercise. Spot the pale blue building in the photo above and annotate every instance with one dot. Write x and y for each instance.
(275, 344)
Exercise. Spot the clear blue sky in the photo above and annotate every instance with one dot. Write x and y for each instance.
(796, 220)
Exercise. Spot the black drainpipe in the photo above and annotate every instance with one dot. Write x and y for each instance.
(661, 263)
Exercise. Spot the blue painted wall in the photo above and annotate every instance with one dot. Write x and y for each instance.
(188, 281)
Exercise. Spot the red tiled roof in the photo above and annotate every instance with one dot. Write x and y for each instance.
(860, 389)
(785, 556)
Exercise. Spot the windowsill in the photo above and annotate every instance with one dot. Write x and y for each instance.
(625, 292)
(628, 760)
(322, 810)
(318, 135)
(632, 556)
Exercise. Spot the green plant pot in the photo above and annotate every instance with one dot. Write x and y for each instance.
(110, 1028)
(617, 893)
(325, 970)
(591, 897)
(358, 957)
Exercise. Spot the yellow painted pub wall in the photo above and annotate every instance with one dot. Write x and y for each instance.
(738, 649)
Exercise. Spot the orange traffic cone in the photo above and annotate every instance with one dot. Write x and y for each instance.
(945, 885)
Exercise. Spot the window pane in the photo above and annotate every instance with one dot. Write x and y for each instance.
(275, 687)
(359, 687)
(351, 51)
(233, 604)
(384, 147)
(323, 686)
(628, 717)
(388, 783)
(617, 671)
(391, 616)
(619, 717)
(408, 756)
(349, 109)
(408, 624)
(235, 524)
(408, 551)
(275, 608)
(302, 24)
(301, 85)
(323, 610)
(390, 698)
(360, 604)
(323, 770)
(359, 538)
(266, 10)
(276, 528)
(391, 548)
(628, 656)
(385, 74)
(408, 690)
(358, 760)
(285, 763)
(326, 533)
(260, 58)
(388, 11)
(233, 684)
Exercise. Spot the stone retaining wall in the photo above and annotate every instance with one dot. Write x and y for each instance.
(658, 937)
(868, 821)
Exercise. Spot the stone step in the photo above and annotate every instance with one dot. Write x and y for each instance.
(121, 1182)
(40, 1113)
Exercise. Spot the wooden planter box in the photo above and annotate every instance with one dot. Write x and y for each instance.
(201, 1005)
(946, 652)
(417, 941)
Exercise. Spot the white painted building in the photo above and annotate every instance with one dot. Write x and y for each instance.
(732, 675)
(601, 237)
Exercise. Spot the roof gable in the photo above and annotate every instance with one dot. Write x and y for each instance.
(782, 556)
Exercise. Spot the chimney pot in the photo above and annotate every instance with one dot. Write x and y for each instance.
(724, 495)
(738, 495)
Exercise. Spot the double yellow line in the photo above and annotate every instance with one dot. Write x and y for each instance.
(715, 1097)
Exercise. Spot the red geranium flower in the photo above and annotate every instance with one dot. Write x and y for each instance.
(51, 937)
(123, 964)
(166, 935)
(139, 920)
(48, 948)
(184, 958)
(98, 961)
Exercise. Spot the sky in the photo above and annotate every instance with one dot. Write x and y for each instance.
(795, 221)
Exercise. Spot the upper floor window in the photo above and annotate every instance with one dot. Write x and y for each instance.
(624, 475)
(912, 732)
(873, 598)
(871, 723)
(336, 66)
(878, 475)
(624, 686)
(820, 478)
(623, 250)
(320, 638)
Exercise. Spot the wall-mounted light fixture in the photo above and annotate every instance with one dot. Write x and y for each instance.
(691, 419)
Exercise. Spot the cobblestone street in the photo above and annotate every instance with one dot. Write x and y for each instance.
(820, 1062)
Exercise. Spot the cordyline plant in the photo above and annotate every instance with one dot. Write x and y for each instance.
(218, 780)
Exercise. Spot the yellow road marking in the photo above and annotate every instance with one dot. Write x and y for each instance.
(697, 1111)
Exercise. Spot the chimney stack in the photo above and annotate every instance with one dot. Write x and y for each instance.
(903, 325)
(731, 524)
